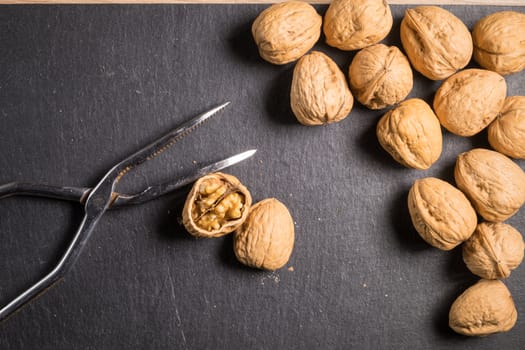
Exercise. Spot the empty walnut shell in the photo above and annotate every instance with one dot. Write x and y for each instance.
(493, 182)
(319, 93)
(266, 239)
(499, 42)
(484, 308)
(441, 213)
(493, 250)
(470, 100)
(355, 24)
(216, 205)
(411, 134)
(380, 76)
(507, 132)
(285, 31)
(437, 43)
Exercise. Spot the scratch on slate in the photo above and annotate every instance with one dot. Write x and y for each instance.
(177, 315)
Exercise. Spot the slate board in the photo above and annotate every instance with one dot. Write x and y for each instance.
(83, 86)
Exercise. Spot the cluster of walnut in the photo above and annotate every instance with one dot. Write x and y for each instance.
(219, 203)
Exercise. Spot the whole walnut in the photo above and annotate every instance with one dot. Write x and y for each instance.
(380, 76)
(266, 239)
(493, 250)
(493, 182)
(437, 43)
(507, 132)
(286, 31)
(319, 93)
(484, 308)
(441, 213)
(217, 204)
(470, 100)
(411, 134)
(499, 42)
(355, 24)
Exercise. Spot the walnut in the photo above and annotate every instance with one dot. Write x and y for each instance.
(470, 100)
(380, 76)
(355, 24)
(286, 31)
(507, 132)
(484, 308)
(319, 93)
(441, 213)
(216, 205)
(437, 43)
(493, 182)
(493, 250)
(411, 134)
(266, 238)
(499, 42)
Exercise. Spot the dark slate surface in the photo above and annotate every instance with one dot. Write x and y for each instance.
(82, 86)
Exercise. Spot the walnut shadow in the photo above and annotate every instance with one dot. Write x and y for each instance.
(170, 226)
(242, 44)
(277, 97)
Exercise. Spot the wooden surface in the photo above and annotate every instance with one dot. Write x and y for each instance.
(393, 2)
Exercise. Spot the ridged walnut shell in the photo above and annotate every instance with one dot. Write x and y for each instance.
(470, 100)
(355, 24)
(266, 238)
(217, 204)
(319, 93)
(437, 43)
(493, 250)
(499, 42)
(484, 308)
(441, 213)
(380, 76)
(411, 133)
(507, 132)
(286, 31)
(493, 182)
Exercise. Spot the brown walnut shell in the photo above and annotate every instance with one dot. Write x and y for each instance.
(493, 182)
(217, 204)
(286, 31)
(484, 308)
(499, 42)
(355, 24)
(380, 76)
(441, 213)
(493, 250)
(319, 93)
(470, 100)
(266, 239)
(411, 133)
(507, 132)
(437, 43)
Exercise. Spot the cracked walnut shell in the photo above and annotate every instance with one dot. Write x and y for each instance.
(507, 132)
(319, 93)
(411, 133)
(484, 308)
(493, 182)
(217, 204)
(441, 213)
(470, 100)
(265, 240)
(499, 42)
(437, 43)
(493, 250)
(355, 24)
(380, 76)
(286, 31)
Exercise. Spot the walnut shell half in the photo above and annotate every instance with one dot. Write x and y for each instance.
(493, 250)
(266, 239)
(484, 308)
(217, 204)
(441, 213)
(507, 132)
(492, 181)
